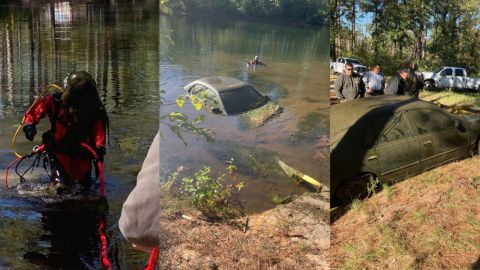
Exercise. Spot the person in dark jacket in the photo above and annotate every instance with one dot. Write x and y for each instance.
(396, 84)
(420, 81)
(349, 85)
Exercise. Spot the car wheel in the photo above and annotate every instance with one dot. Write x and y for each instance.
(353, 188)
(429, 85)
(476, 148)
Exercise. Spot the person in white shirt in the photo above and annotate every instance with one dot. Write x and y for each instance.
(374, 81)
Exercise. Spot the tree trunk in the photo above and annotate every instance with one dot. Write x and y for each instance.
(352, 46)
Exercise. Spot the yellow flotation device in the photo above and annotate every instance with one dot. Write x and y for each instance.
(45, 90)
(300, 176)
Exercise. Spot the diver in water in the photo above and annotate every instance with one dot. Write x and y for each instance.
(77, 115)
(256, 61)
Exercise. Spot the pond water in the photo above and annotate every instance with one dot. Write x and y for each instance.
(295, 77)
(40, 42)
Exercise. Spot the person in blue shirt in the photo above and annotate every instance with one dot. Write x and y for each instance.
(374, 81)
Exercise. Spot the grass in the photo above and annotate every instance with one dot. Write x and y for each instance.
(450, 98)
(258, 117)
(430, 221)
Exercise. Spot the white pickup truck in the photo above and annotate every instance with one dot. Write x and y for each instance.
(337, 67)
(451, 77)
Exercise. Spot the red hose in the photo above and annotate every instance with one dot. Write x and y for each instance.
(152, 262)
(104, 251)
(103, 238)
(35, 150)
(8, 168)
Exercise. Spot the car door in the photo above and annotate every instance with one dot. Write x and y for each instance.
(442, 137)
(446, 78)
(396, 151)
(459, 81)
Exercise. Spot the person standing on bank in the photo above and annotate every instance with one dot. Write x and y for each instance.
(374, 81)
(420, 81)
(349, 85)
(396, 84)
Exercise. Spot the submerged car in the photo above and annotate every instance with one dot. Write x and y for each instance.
(227, 95)
(390, 138)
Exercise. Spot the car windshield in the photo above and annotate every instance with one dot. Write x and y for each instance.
(240, 100)
(438, 70)
(353, 61)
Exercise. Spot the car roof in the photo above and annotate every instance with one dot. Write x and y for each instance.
(345, 115)
(219, 83)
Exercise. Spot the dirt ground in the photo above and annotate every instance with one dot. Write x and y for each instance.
(291, 236)
(430, 221)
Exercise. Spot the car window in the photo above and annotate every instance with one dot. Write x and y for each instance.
(396, 129)
(387, 129)
(242, 99)
(459, 72)
(446, 72)
(353, 61)
(211, 98)
(426, 121)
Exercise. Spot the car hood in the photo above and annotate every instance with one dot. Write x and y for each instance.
(359, 66)
(427, 75)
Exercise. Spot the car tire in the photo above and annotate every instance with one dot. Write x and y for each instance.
(476, 148)
(429, 85)
(353, 188)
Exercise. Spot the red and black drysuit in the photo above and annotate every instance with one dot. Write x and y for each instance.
(74, 161)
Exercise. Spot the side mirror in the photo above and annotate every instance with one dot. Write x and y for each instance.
(216, 110)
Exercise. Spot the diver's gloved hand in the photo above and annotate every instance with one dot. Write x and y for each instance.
(101, 151)
(30, 131)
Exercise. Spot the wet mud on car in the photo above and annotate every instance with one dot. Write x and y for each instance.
(389, 138)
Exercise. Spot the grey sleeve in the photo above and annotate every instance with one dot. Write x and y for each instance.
(339, 87)
(140, 218)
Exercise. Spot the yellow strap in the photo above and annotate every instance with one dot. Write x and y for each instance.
(52, 85)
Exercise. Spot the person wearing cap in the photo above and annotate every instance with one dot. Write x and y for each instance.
(76, 115)
(349, 85)
(396, 84)
(374, 81)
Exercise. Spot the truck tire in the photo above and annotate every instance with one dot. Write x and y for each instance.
(429, 85)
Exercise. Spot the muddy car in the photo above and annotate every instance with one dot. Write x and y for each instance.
(227, 95)
(390, 138)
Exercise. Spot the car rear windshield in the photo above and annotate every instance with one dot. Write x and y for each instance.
(242, 99)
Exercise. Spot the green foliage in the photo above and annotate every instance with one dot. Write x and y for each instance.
(211, 194)
(429, 32)
(277, 200)
(309, 11)
(372, 185)
(179, 123)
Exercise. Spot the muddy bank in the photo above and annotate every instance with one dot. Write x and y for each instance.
(291, 236)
